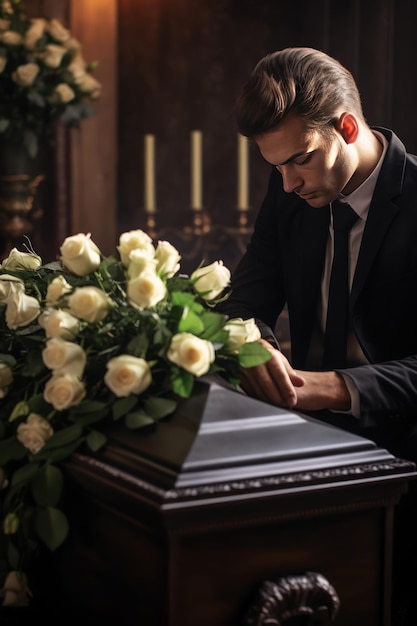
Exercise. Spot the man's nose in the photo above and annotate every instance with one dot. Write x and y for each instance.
(290, 180)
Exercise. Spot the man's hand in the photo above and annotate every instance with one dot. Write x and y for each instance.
(274, 381)
(278, 383)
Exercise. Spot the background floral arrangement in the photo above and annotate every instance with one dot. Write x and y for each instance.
(43, 77)
(91, 339)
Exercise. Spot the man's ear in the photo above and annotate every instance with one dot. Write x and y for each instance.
(348, 127)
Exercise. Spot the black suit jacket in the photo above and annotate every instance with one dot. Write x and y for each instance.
(284, 263)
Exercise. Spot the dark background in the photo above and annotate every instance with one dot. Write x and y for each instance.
(177, 65)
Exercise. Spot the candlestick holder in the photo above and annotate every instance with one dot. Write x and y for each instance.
(199, 238)
(151, 225)
(201, 223)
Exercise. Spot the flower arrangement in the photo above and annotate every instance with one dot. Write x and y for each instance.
(43, 77)
(88, 340)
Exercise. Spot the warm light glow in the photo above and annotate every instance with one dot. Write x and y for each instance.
(196, 170)
(150, 173)
(242, 173)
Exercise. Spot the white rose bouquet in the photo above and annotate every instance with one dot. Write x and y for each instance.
(89, 340)
(44, 78)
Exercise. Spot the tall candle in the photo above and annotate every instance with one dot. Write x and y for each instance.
(196, 170)
(150, 173)
(242, 173)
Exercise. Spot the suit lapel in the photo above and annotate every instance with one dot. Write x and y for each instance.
(378, 222)
(381, 211)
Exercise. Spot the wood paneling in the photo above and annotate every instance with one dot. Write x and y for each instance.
(181, 64)
(171, 66)
(94, 146)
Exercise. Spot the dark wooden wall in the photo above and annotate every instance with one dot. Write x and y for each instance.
(182, 62)
(179, 65)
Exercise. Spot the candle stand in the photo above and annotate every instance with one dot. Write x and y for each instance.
(198, 238)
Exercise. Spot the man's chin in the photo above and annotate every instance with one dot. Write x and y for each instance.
(316, 203)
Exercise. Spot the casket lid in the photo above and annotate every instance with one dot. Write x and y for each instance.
(221, 435)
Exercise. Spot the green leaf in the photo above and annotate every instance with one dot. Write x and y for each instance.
(122, 406)
(183, 384)
(21, 409)
(252, 354)
(54, 455)
(190, 323)
(213, 326)
(88, 412)
(90, 406)
(183, 299)
(52, 527)
(63, 437)
(138, 420)
(24, 474)
(160, 407)
(47, 485)
(34, 364)
(138, 345)
(8, 359)
(38, 404)
(96, 440)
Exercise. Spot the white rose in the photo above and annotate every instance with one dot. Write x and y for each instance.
(90, 304)
(80, 255)
(72, 44)
(9, 286)
(77, 68)
(168, 258)
(7, 6)
(11, 38)
(132, 240)
(59, 323)
(6, 379)
(209, 281)
(64, 357)
(127, 374)
(3, 63)
(193, 354)
(34, 33)
(241, 332)
(53, 55)
(139, 261)
(21, 260)
(57, 289)
(62, 93)
(146, 290)
(89, 85)
(25, 74)
(64, 391)
(34, 433)
(58, 31)
(21, 310)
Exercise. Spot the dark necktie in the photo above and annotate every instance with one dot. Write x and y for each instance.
(335, 340)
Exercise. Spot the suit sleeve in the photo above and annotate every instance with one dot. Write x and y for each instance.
(387, 390)
(257, 286)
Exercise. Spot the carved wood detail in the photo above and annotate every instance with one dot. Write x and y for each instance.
(305, 600)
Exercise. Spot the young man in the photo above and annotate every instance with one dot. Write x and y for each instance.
(303, 110)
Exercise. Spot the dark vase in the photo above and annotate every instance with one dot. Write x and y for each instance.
(20, 177)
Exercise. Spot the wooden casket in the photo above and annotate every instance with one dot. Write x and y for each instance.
(205, 520)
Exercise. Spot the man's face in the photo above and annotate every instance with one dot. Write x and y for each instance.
(316, 167)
